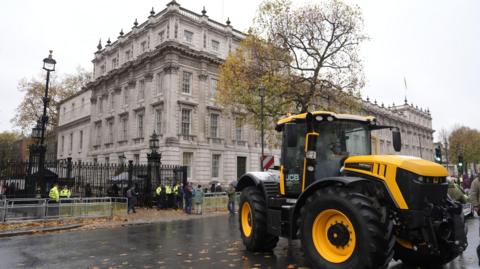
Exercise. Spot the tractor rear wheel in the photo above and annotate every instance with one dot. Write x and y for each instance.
(253, 221)
(342, 229)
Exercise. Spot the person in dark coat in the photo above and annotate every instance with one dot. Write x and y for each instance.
(188, 198)
(132, 195)
(88, 190)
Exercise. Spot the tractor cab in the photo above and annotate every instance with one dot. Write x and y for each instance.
(315, 146)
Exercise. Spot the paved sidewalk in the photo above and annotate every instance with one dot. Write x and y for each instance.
(142, 216)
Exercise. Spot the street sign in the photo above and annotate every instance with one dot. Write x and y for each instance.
(267, 161)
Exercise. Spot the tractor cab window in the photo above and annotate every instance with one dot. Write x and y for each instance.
(338, 140)
(293, 154)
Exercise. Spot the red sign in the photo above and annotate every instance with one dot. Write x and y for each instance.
(267, 161)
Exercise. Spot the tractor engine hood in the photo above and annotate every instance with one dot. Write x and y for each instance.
(412, 164)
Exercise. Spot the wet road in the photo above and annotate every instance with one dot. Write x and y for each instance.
(201, 243)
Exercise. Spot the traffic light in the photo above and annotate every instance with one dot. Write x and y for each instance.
(460, 163)
(438, 155)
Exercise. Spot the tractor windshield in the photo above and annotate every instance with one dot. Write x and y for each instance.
(338, 140)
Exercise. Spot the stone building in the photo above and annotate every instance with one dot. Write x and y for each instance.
(74, 127)
(415, 126)
(161, 77)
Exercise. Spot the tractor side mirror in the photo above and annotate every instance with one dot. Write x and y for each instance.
(397, 139)
(290, 135)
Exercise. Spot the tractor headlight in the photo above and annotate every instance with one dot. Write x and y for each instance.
(310, 168)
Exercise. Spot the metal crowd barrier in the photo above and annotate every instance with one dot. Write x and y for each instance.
(216, 202)
(19, 209)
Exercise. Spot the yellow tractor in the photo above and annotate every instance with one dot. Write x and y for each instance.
(349, 208)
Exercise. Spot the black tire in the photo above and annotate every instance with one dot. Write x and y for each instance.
(424, 260)
(373, 230)
(258, 240)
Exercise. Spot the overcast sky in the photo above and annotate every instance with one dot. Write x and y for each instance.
(434, 44)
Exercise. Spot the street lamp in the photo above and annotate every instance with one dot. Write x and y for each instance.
(37, 132)
(49, 63)
(153, 142)
(262, 103)
(153, 163)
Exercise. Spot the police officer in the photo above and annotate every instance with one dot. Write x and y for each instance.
(168, 191)
(65, 192)
(54, 194)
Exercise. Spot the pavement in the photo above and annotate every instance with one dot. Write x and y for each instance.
(207, 242)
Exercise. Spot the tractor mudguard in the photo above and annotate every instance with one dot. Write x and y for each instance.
(257, 179)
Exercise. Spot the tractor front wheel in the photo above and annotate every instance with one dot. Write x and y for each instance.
(343, 229)
(253, 221)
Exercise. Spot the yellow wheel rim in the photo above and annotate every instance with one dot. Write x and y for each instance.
(333, 236)
(246, 219)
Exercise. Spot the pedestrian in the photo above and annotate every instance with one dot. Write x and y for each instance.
(54, 193)
(475, 195)
(132, 195)
(198, 198)
(181, 194)
(65, 192)
(212, 188)
(3, 190)
(169, 193)
(456, 192)
(188, 198)
(88, 190)
(231, 199)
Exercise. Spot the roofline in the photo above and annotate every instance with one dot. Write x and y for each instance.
(327, 113)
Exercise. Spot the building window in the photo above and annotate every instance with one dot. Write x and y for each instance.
(100, 105)
(213, 125)
(70, 148)
(114, 63)
(161, 36)
(98, 133)
(186, 82)
(110, 131)
(140, 125)
(188, 36)
(160, 83)
(215, 165)
(158, 121)
(187, 161)
(215, 45)
(141, 90)
(128, 55)
(186, 121)
(63, 144)
(238, 129)
(124, 131)
(125, 96)
(80, 146)
(213, 88)
(112, 101)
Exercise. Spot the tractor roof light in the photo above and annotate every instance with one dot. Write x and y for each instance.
(330, 118)
(319, 118)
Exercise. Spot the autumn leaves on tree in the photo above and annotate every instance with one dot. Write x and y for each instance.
(306, 58)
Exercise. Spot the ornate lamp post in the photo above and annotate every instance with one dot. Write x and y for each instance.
(49, 66)
(262, 104)
(153, 159)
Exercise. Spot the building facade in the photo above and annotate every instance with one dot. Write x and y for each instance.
(74, 127)
(415, 125)
(161, 77)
